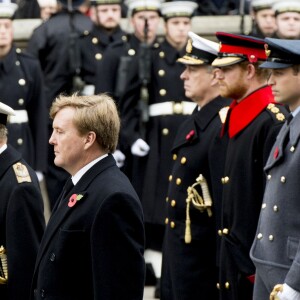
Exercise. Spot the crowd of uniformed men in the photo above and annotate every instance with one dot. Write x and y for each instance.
(203, 141)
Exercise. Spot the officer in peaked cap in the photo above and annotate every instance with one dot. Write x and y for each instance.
(22, 89)
(189, 241)
(22, 217)
(287, 17)
(252, 124)
(167, 106)
(273, 248)
(56, 44)
(263, 18)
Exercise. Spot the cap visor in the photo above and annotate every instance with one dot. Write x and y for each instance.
(274, 65)
(187, 60)
(226, 61)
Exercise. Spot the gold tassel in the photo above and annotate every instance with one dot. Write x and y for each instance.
(205, 193)
(188, 233)
(4, 271)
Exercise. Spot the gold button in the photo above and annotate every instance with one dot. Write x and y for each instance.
(170, 178)
(165, 131)
(225, 180)
(22, 82)
(86, 32)
(275, 110)
(124, 38)
(225, 231)
(264, 205)
(178, 181)
(20, 141)
(183, 160)
(220, 232)
(178, 108)
(161, 73)
(21, 101)
(162, 92)
(18, 50)
(156, 45)
(218, 285)
(172, 224)
(282, 179)
(131, 52)
(166, 221)
(271, 237)
(17, 63)
(174, 156)
(227, 285)
(98, 56)
(173, 203)
(259, 236)
(167, 199)
(161, 54)
(292, 149)
(94, 40)
(269, 177)
(275, 208)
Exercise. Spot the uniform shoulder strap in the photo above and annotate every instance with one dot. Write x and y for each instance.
(21, 172)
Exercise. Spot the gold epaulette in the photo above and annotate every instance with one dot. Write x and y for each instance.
(223, 113)
(21, 172)
(276, 111)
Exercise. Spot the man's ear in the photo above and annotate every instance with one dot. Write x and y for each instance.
(90, 138)
(251, 71)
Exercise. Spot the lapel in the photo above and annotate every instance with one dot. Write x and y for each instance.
(277, 151)
(63, 211)
(199, 119)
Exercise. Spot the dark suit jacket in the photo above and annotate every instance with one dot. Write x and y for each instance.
(94, 250)
(21, 225)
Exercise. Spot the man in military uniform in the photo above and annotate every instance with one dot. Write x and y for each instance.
(275, 250)
(189, 252)
(119, 57)
(287, 18)
(21, 87)
(167, 107)
(252, 124)
(106, 15)
(56, 44)
(21, 218)
(263, 18)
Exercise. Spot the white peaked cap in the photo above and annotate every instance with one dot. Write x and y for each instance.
(178, 8)
(199, 51)
(43, 3)
(142, 5)
(281, 6)
(7, 9)
(261, 4)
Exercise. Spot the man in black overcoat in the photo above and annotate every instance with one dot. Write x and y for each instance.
(94, 242)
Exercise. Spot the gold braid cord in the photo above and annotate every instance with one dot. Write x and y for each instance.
(277, 288)
(201, 203)
(3, 266)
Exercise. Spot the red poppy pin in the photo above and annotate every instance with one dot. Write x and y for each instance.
(276, 152)
(190, 135)
(73, 199)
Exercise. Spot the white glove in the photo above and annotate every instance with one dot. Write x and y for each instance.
(39, 175)
(119, 158)
(288, 293)
(140, 148)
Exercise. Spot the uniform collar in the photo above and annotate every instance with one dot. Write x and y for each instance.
(244, 112)
(105, 38)
(9, 60)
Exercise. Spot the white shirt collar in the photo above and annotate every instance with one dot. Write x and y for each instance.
(83, 170)
(3, 148)
(295, 112)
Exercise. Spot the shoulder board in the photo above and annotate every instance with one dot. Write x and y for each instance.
(223, 113)
(276, 111)
(21, 172)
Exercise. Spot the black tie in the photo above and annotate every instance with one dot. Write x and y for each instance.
(289, 119)
(67, 188)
